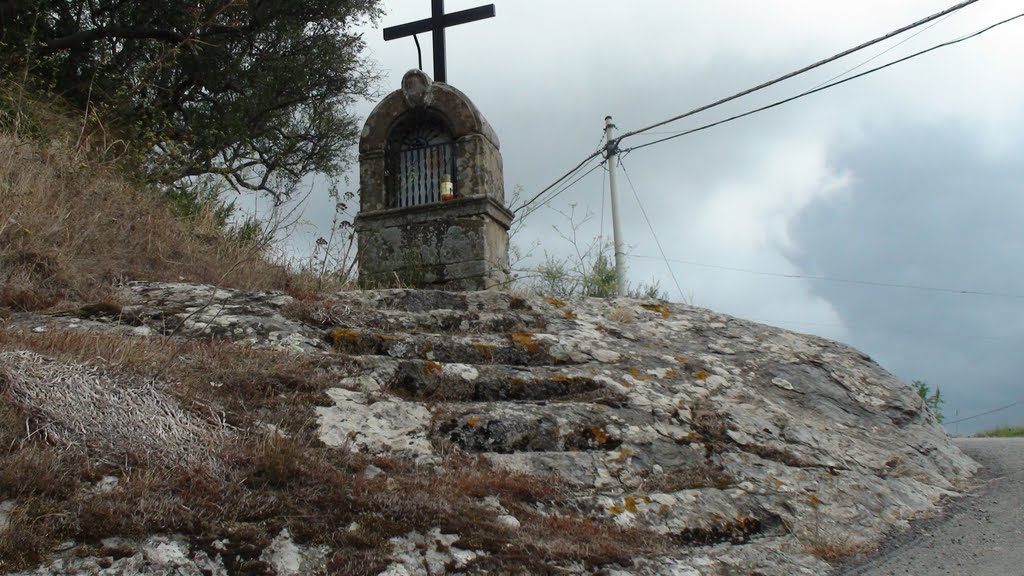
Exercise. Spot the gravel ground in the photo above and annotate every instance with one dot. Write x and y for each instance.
(980, 534)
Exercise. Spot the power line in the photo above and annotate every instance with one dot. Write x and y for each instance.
(1000, 409)
(651, 227)
(558, 192)
(826, 86)
(598, 152)
(820, 63)
(846, 280)
(917, 334)
(564, 177)
(808, 68)
(887, 50)
(600, 149)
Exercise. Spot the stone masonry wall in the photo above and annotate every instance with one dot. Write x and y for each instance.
(460, 244)
(450, 246)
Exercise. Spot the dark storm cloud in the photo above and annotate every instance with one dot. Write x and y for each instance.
(929, 208)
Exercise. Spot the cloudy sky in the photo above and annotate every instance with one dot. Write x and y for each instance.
(912, 176)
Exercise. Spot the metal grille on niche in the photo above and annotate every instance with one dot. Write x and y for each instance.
(420, 154)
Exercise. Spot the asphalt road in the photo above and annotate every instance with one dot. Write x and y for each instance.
(981, 534)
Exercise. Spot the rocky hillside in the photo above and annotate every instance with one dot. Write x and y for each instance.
(185, 429)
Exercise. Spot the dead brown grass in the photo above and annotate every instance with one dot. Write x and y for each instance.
(834, 551)
(25, 543)
(72, 226)
(242, 386)
(703, 475)
(548, 544)
(319, 495)
(272, 478)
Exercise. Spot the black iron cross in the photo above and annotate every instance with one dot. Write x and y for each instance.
(436, 24)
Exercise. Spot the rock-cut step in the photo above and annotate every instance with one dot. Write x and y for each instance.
(506, 428)
(440, 321)
(426, 380)
(517, 349)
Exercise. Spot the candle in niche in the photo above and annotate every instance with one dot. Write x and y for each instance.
(447, 188)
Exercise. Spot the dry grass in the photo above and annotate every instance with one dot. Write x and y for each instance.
(265, 480)
(622, 314)
(703, 475)
(835, 551)
(72, 226)
(236, 385)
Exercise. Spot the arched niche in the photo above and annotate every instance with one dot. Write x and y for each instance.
(477, 158)
(419, 155)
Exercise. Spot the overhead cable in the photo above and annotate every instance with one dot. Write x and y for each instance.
(825, 86)
(563, 178)
(886, 51)
(808, 68)
(651, 228)
(818, 64)
(1000, 409)
(561, 190)
(846, 280)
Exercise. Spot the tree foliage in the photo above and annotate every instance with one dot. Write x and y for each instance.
(253, 91)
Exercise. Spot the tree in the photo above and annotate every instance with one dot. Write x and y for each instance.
(252, 91)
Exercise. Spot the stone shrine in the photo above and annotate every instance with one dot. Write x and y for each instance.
(432, 199)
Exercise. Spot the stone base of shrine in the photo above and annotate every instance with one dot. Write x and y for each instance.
(461, 244)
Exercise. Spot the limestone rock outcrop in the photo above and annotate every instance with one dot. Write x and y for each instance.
(758, 450)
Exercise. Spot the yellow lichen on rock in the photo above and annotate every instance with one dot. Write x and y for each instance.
(638, 375)
(432, 369)
(527, 341)
(340, 336)
(624, 454)
(659, 308)
(486, 350)
(629, 504)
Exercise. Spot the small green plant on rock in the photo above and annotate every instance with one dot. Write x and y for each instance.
(933, 400)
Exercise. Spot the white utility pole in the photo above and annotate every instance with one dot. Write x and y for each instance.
(612, 151)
